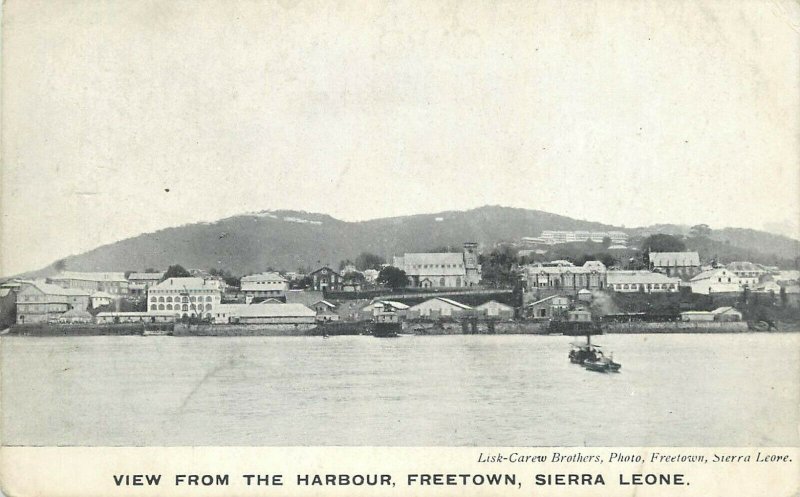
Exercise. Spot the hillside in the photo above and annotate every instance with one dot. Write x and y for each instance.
(288, 240)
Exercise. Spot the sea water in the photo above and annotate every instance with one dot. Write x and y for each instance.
(457, 390)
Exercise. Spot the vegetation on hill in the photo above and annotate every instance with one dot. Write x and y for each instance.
(292, 240)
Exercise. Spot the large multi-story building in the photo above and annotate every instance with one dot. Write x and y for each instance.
(641, 281)
(448, 269)
(113, 282)
(566, 277)
(39, 302)
(185, 297)
(269, 284)
(719, 280)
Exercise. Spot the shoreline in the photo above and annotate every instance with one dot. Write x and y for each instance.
(505, 328)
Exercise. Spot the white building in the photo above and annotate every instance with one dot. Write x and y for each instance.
(495, 309)
(748, 273)
(449, 269)
(185, 297)
(99, 299)
(268, 284)
(720, 280)
(641, 281)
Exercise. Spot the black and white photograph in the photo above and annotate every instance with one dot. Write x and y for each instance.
(402, 224)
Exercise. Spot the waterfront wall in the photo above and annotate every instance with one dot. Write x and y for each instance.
(223, 330)
(677, 327)
(83, 329)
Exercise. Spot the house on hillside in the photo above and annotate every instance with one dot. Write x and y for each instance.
(438, 270)
(749, 274)
(684, 265)
(719, 280)
(111, 282)
(326, 278)
(138, 283)
(437, 308)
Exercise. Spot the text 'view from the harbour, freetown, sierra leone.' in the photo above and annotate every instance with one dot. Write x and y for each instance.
(491, 270)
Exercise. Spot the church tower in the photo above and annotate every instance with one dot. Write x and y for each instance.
(471, 266)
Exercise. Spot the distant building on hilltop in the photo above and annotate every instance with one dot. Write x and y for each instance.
(684, 265)
(435, 270)
(553, 237)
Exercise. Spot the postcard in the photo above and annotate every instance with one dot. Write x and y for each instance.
(292, 247)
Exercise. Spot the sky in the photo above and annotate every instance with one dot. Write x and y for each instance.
(127, 117)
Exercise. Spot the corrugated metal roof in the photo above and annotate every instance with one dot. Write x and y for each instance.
(75, 275)
(270, 311)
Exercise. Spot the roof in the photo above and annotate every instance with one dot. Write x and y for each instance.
(391, 303)
(710, 274)
(723, 310)
(134, 314)
(190, 283)
(75, 275)
(50, 289)
(265, 276)
(102, 295)
(675, 259)
(145, 276)
(453, 303)
(494, 303)
(325, 303)
(744, 266)
(546, 299)
(323, 267)
(440, 264)
(270, 311)
(638, 277)
(697, 313)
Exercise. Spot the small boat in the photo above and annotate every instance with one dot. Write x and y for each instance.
(591, 357)
(603, 365)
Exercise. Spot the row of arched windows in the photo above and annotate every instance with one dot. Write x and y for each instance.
(178, 299)
(179, 307)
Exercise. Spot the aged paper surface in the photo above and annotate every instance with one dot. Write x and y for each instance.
(122, 118)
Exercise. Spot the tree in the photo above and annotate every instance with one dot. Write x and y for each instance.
(345, 263)
(497, 267)
(176, 271)
(661, 242)
(393, 277)
(606, 242)
(353, 276)
(367, 260)
(700, 231)
(60, 265)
